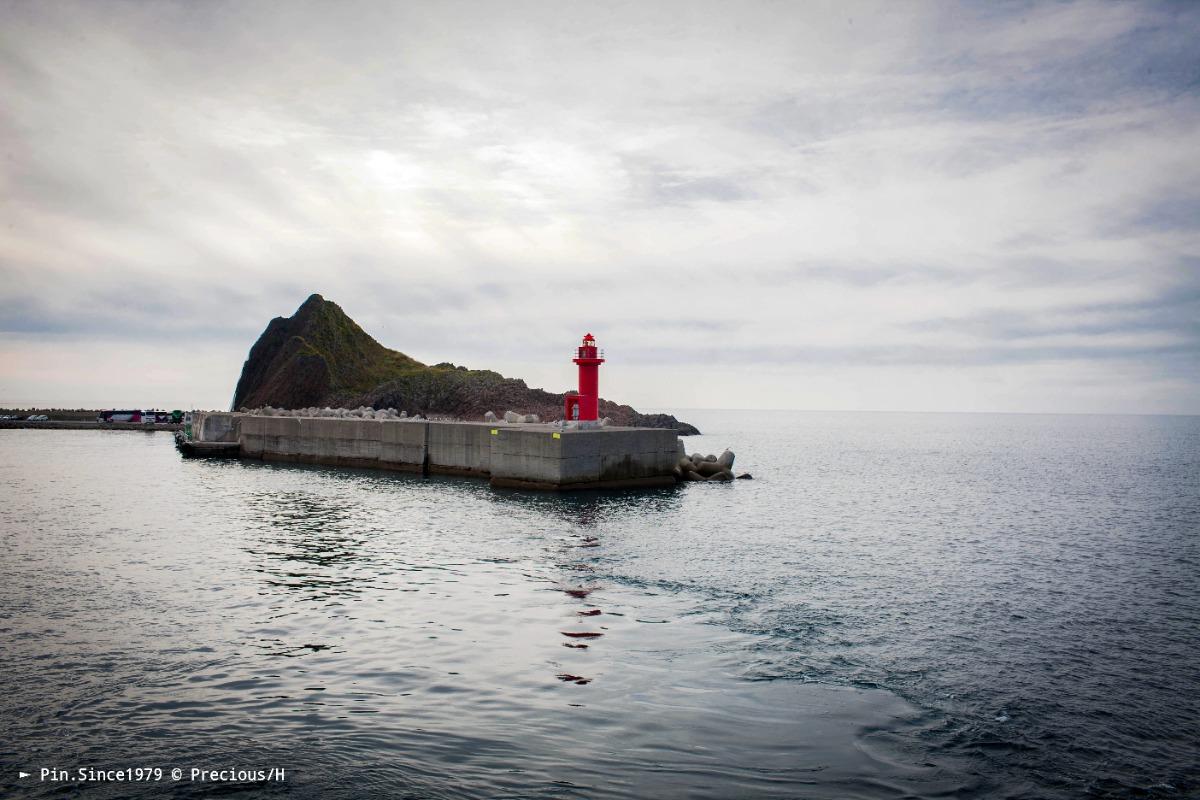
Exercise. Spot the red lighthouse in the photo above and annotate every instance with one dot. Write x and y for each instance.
(586, 404)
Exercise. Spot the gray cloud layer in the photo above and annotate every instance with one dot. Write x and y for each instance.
(998, 197)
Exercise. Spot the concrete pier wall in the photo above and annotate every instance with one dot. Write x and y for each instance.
(458, 448)
(527, 456)
(530, 456)
(342, 442)
(216, 427)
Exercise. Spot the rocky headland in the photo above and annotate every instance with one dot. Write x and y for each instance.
(319, 357)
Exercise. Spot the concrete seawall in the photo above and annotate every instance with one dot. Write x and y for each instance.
(537, 456)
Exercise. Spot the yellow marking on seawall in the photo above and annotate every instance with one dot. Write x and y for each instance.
(495, 432)
(557, 435)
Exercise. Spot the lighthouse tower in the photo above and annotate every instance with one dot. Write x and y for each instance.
(586, 404)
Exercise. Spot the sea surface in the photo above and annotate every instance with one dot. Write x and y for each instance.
(898, 605)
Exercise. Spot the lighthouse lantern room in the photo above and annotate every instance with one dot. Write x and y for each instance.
(585, 405)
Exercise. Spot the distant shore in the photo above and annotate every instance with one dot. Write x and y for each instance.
(86, 425)
(77, 419)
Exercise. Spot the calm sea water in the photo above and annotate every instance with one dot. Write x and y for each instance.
(898, 606)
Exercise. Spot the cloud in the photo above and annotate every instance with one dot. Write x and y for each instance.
(808, 190)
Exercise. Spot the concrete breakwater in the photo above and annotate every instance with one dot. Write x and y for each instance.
(537, 456)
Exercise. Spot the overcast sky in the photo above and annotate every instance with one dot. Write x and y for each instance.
(778, 205)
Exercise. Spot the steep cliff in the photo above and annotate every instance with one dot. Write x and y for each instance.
(321, 357)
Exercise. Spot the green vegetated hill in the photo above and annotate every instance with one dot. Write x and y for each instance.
(320, 357)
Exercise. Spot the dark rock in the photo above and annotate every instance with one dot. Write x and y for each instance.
(656, 421)
(314, 358)
(745, 476)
